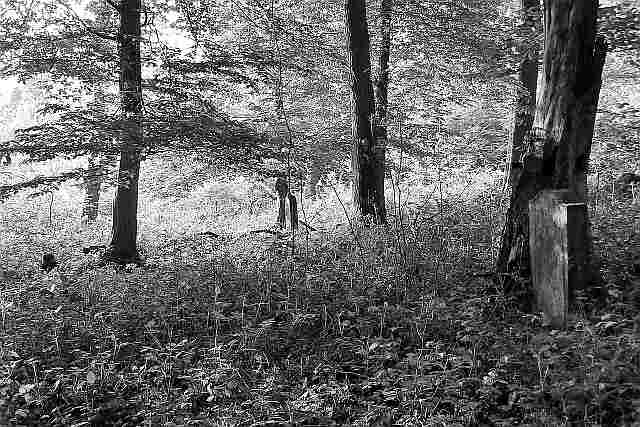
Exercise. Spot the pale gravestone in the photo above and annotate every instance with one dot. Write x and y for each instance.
(557, 243)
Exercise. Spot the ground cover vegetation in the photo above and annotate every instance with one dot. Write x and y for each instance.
(146, 277)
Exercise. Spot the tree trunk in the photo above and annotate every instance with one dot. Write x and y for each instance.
(573, 63)
(514, 251)
(525, 107)
(96, 165)
(282, 190)
(92, 184)
(125, 206)
(381, 91)
(314, 177)
(368, 194)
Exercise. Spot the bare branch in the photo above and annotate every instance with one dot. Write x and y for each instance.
(114, 5)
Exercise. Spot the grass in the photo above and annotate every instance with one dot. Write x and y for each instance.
(348, 325)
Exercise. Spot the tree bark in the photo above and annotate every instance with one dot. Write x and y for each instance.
(96, 164)
(381, 92)
(573, 62)
(514, 251)
(368, 194)
(525, 107)
(125, 206)
(92, 184)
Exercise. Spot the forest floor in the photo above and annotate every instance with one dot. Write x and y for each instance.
(343, 326)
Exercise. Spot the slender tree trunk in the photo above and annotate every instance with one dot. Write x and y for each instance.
(314, 177)
(96, 164)
(125, 206)
(92, 184)
(573, 62)
(381, 91)
(367, 194)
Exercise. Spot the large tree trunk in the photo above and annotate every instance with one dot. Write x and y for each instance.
(514, 251)
(573, 63)
(125, 206)
(368, 193)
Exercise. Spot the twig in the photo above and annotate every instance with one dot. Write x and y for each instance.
(208, 233)
(307, 225)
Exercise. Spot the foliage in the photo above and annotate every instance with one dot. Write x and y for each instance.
(233, 322)
(240, 329)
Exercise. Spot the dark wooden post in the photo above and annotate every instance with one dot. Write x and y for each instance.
(293, 208)
(282, 189)
(284, 196)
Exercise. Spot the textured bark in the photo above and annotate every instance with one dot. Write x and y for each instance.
(514, 250)
(368, 194)
(525, 107)
(381, 92)
(92, 184)
(96, 164)
(125, 206)
(573, 62)
(524, 113)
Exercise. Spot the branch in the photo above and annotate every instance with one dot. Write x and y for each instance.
(113, 4)
(93, 31)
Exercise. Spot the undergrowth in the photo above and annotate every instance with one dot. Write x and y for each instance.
(344, 325)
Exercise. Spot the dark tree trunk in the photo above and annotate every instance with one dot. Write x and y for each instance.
(368, 193)
(381, 91)
(92, 184)
(525, 107)
(125, 206)
(282, 190)
(573, 62)
(514, 251)
(293, 208)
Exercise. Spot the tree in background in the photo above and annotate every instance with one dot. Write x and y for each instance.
(125, 205)
(381, 99)
(368, 174)
(572, 65)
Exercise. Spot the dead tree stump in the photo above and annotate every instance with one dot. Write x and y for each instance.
(284, 196)
(558, 248)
